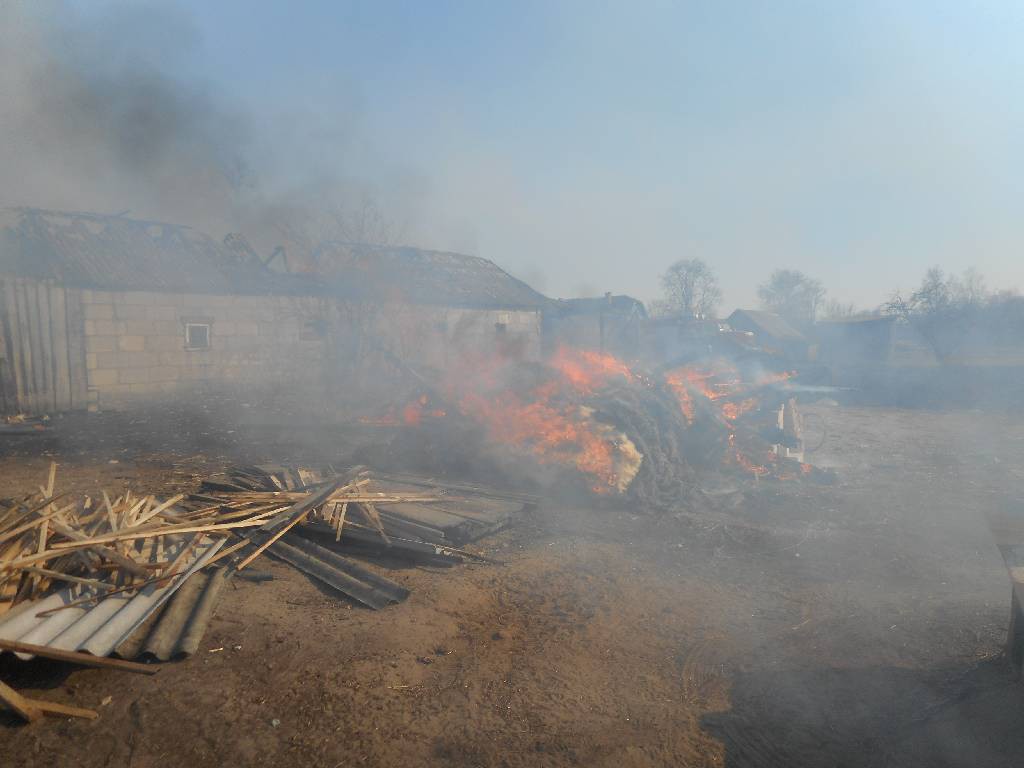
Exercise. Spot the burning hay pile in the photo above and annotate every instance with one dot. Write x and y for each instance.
(589, 419)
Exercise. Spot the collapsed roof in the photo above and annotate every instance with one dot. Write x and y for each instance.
(86, 250)
(416, 276)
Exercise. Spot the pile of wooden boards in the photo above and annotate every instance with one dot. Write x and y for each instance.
(397, 512)
(60, 553)
(106, 546)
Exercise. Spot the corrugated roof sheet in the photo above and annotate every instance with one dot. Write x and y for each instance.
(177, 630)
(98, 628)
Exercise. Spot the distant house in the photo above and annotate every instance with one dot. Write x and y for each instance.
(610, 323)
(101, 311)
(677, 339)
(855, 340)
(771, 332)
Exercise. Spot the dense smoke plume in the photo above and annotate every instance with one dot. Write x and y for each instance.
(101, 114)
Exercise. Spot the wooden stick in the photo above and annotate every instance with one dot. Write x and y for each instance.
(58, 576)
(33, 523)
(114, 556)
(227, 551)
(53, 479)
(74, 657)
(374, 517)
(271, 540)
(62, 710)
(160, 508)
(182, 557)
(12, 511)
(64, 547)
(24, 708)
(111, 517)
(341, 520)
(111, 593)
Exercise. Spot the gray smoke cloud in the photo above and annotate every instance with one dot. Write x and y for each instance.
(93, 118)
(105, 109)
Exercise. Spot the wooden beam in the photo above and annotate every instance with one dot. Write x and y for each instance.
(46, 345)
(62, 710)
(74, 657)
(271, 540)
(21, 706)
(27, 395)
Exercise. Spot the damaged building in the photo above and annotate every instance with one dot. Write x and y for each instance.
(611, 323)
(100, 311)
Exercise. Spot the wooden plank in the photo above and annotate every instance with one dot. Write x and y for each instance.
(77, 371)
(59, 336)
(35, 327)
(259, 550)
(7, 405)
(11, 338)
(28, 398)
(74, 657)
(46, 346)
(54, 709)
(19, 704)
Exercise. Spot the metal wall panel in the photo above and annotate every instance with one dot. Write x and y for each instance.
(42, 348)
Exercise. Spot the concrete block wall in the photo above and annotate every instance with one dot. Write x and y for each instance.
(135, 342)
(136, 347)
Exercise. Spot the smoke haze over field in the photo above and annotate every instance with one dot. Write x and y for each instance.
(582, 148)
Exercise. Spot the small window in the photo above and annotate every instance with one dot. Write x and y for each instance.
(197, 335)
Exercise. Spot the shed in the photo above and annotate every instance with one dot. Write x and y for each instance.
(610, 323)
(99, 310)
(771, 331)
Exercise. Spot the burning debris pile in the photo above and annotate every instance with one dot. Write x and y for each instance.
(591, 419)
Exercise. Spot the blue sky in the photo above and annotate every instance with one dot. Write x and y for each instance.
(585, 146)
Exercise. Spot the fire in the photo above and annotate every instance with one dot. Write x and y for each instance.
(736, 456)
(733, 411)
(414, 413)
(550, 423)
(587, 371)
(713, 382)
(542, 412)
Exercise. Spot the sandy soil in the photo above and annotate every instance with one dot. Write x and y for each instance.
(858, 624)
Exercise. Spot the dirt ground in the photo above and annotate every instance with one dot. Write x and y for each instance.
(855, 624)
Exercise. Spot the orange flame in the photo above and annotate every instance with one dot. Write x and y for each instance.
(587, 371)
(551, 423)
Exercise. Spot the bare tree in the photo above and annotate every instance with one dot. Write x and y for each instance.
(358, 225)
(944, 309)
(793, 295)
(833, 309)
(691, 290)
(969, 289)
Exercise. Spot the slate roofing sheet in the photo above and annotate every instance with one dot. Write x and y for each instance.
(96, 628)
